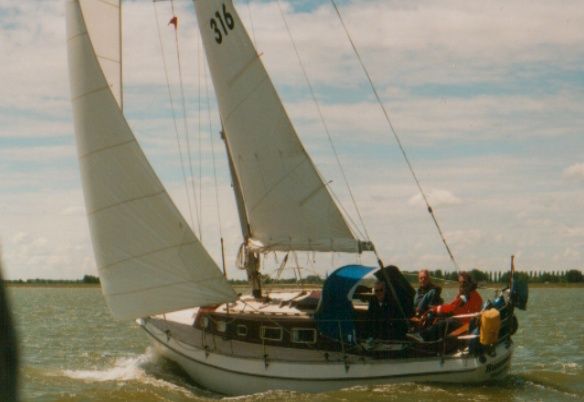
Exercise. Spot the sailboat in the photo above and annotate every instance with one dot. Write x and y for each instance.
(154, 269)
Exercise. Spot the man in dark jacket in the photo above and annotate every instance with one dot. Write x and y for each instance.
(427, 295)
(382, 316)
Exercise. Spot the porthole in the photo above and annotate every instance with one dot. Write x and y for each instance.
(303, 335)
(241, 330)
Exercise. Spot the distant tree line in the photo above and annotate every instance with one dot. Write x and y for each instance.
(566, 276)
(90, 279)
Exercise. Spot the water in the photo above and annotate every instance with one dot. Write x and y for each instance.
(72, 350)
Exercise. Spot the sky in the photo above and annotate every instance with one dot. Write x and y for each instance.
(487, 98)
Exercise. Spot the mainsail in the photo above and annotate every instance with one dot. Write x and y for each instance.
(149, 259)
(287, 204)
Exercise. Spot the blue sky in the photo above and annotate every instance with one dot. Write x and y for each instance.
(487, 99)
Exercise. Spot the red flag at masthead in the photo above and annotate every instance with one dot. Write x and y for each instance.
(173, 21)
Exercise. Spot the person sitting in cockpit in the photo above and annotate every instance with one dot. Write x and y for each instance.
(382, 316)
(427, 295)
(467, 301)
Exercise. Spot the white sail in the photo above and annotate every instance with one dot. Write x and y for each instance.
(148, 258)
(106, 40)
(287, 204)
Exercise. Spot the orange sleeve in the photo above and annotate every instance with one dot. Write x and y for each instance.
(449, 307)
(455, 307)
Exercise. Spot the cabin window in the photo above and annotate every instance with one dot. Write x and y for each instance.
(221, 326)
(241, 330)
(205, 322)
(271, 333)
(303, 335)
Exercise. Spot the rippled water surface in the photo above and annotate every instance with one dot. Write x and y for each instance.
(72, 350)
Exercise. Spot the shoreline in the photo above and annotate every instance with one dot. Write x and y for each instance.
(51, 285)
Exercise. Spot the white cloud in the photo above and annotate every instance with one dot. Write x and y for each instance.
(451, 36)
(465, 238)
(575, 171)
(436, 198)
(38, 240)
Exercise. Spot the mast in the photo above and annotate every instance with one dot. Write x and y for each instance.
(250, 259)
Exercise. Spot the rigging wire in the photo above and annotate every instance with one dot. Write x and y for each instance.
(174, 117)
(251, 23)
(214, 163)
(346, 213)
(401, 147)
(296, 270)
(324, 124)
(200, 133)
(186, 125)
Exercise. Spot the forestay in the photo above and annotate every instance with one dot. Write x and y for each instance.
(287, 203)
(148, 258)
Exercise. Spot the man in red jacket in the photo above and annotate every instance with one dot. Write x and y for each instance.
(467, 301)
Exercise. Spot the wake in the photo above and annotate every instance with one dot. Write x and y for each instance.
(124, 369)
(143, 369)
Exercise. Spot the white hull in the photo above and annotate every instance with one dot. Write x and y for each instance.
(232, 375)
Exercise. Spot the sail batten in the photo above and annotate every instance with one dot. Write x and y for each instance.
(137, 257)
(148, 258)
(287, 204)
(120, 144)
(127, 201)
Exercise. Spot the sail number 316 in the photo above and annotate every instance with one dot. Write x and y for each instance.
(222, 24)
